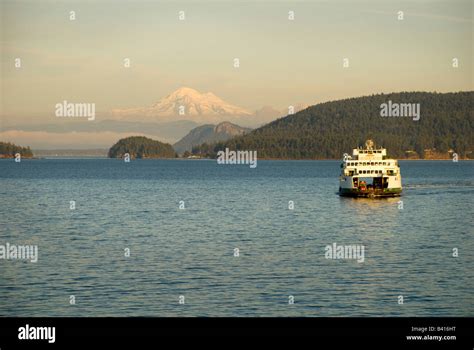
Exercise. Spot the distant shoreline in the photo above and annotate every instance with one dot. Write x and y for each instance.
(186, 159)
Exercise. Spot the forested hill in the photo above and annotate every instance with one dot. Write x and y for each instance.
(327, 130)
(141, 147)
(8, 150)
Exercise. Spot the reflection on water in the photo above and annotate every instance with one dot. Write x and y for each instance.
(191, 252)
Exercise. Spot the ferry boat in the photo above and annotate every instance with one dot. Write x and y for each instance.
(369, 173)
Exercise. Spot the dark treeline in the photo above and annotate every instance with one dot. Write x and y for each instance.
(141, 147)
(327, 130)
(8, 150)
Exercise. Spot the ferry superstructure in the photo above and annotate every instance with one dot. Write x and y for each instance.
(369, 173)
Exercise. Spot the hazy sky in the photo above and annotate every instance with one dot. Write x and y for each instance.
(282, 62)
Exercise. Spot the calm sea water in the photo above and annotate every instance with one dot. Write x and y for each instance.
(190, 252)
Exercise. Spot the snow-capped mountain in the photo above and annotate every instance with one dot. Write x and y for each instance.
(186, 104)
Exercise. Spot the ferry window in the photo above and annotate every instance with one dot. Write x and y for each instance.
(383, 163)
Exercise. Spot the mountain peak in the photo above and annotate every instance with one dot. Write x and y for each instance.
(187, 103)
(209, 133)
(229, 128)
(184, 91)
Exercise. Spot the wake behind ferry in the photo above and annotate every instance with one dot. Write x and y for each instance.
(368, 173)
